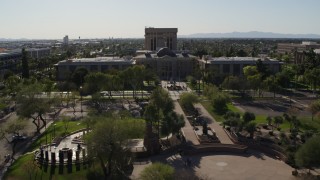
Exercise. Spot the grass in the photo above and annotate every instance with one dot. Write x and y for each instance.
(59, 131)
(308, 124)
(260, 118)
(25, 164)
(25, 167)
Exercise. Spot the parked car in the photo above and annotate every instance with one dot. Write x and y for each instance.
(18, 137)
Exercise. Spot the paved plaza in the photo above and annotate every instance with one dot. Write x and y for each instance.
(253, 165)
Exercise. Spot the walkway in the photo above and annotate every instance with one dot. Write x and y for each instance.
(222, 135)
(187, 130)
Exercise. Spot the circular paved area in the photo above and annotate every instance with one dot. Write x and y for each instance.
(249, 166)
(241, 167)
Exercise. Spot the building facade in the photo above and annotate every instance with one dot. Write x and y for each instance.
(289, 48)
(233, 66)
(66, 40)
(10, 60)
(101, 64)
(167, 64)
(156, 38)
(38, 53)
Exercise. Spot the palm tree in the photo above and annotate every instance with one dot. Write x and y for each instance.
(278, 120)
(251, 128)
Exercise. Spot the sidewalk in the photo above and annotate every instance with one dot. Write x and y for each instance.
(187, 129)
(222, 135)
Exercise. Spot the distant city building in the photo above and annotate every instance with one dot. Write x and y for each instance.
(234, 65)
(9, 60)
(167, 64)
(288, 48)
(300, 56)
(66, 40)
(36, 53)
(101, 64)
(156, 38)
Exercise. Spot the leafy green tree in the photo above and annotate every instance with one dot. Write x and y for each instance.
(14, 128)
(242, 53)
(30, 104)
(25, 64)
(219, 103)
(95, 82)
(314, 108)
(278, 120)
(270, 84)
(251, 128)
(248, 116)
(312, 76)
(78, 76)
(162, 105)
(253, 77)
(187, 100)
(308, 155)
(158, 171)
(107, 145)
(134, 76)
(234, 83)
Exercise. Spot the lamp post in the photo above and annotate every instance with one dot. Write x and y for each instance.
(81, 100)
(54, 130)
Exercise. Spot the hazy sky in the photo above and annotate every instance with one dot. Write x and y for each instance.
(127, 18)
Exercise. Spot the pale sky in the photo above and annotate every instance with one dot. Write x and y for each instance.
(53, 19)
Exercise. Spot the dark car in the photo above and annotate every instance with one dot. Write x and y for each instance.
(18, 137)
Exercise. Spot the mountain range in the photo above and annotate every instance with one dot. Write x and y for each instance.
(251, 34)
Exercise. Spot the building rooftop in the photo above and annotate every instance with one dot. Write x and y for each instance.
(97, 60)
(238, 59)
(164, 53)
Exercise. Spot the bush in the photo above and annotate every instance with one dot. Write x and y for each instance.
(219, 103)
(158, 171)
(187, 100)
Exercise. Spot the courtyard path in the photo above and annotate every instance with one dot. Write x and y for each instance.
(187, 129)
(222, 135)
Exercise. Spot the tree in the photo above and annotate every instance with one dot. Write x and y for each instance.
(158, 171)
(172, 123)
(162, 104)
(312, 75)
(107, 144)
(234, 83)
(30, 104)
(242, 53)
(251, 128)
(278, 120)
(219, 103)
(134, 76)
(270, 84)
(95, 82)
(308, 155)
(187, 100)
(78, 76)
(14, 128)
(314, 108)
(253, 76)
(269, 120)
(25, 64)
(248, 116)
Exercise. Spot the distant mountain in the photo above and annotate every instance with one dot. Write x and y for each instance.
(251, 34)
(9, 39)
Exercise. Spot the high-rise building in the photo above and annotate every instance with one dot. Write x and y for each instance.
(66, 40)
(156, 38)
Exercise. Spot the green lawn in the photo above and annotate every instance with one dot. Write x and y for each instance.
(308, 124)
(25, 164)
(26, 168)
(260, 118)
(59, 130)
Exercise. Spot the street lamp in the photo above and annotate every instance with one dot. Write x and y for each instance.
(81, 99)
(54, 130)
